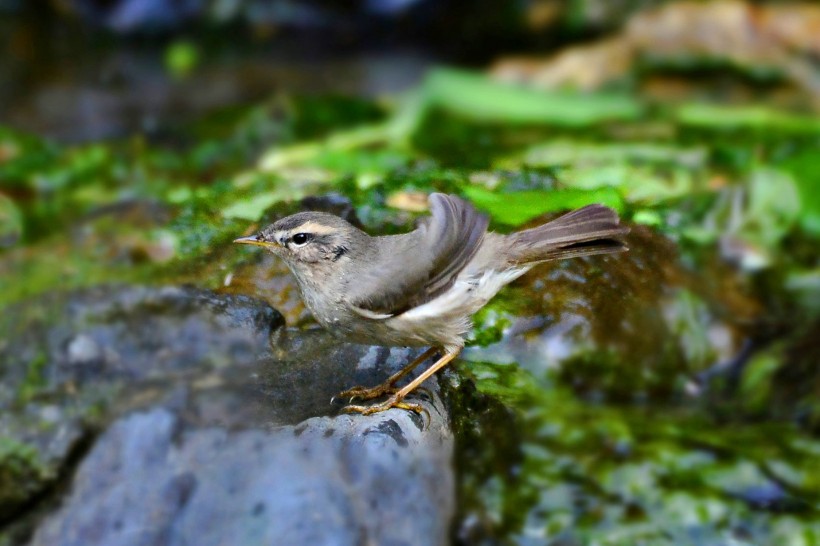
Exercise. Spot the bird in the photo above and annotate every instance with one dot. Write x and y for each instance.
(421, 288)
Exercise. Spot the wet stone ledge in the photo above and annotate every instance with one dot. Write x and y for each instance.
(135, 415)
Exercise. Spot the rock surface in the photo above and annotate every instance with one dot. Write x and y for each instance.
(135, 415)
(345, 480)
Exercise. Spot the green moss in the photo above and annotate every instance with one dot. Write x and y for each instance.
(52, 265)
(22, 473)
(586, 469)
(34, 380)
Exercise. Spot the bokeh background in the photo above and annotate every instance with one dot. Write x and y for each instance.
(670, 395)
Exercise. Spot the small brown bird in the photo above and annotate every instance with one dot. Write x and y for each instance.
(420, 288)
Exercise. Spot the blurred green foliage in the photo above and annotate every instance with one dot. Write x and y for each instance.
(519, 207)
(181, 58)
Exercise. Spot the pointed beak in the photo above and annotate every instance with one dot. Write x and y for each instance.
(252, 240)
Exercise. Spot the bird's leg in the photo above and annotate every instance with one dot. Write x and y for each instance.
(397, 400)
(389, 386)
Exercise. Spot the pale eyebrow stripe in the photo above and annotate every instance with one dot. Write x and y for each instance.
(314, 227)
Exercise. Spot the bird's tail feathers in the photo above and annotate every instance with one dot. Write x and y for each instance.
(591, 230)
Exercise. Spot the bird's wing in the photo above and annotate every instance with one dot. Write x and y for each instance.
(416, 267)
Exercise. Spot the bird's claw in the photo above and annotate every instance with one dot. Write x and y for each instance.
(390, 403)
(366, 393)
(369, 393)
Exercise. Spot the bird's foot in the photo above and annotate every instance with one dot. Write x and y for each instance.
(392, 402)
(369, 393)
(366, 393)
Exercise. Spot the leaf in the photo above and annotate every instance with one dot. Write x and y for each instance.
(266, 190)
(647, 217)
(568, 152)
(773, 207)
(253, 207)
(479, 98)
(805, 169)
(520, 207)
(636, 183)
(360, 161)
(726, 117)
(756, 382)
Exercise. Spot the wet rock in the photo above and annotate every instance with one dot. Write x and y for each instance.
(634, 326)
(294, 383)
(129, 333)
(34, 448)
(70, 360)
(214, 406)
(345, 480)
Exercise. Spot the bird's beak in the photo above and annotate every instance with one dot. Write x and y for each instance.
(252, 240)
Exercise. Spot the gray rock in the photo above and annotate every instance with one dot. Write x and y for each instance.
(70, 361)
(129, 333)
(217, 428)
(343, 480)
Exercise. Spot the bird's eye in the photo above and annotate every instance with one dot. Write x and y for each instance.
(301, 239)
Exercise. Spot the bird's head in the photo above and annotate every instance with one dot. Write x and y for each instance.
(307, 238)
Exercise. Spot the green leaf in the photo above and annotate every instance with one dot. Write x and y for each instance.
(360, 161)
(773, 207)
(805, 169)
(479, 98)
(756, 382)
(519, 207)
(647, 217)
(253, 207)
(337, 143)
(568, 152)
(636, 183)
(727, 117)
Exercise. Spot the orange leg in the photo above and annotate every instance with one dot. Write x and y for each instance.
(389, 386)
(397, 400)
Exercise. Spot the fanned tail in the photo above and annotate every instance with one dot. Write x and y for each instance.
(594, 229)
